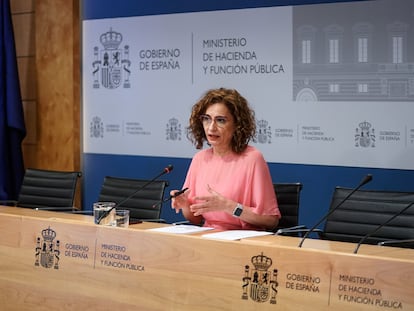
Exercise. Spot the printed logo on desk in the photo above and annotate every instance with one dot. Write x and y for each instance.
(111, 65)
(47, 250)
(260, 283)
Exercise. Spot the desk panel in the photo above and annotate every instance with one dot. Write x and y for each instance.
(59, 261)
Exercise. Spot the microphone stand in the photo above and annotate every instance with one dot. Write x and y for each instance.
(380, 226)
(366, 179)
(106, 213)
(400, 243)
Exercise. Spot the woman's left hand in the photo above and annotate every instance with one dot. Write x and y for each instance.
(213, 202)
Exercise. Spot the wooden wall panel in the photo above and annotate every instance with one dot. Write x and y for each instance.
(18, 6)
(58, 118)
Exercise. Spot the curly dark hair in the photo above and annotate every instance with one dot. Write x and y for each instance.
(243, 115)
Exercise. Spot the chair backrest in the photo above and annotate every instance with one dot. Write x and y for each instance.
(288, 196)
(364, 211)
(48, 189)
(141, 204)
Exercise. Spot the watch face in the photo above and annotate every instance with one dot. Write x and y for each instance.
(238, 210)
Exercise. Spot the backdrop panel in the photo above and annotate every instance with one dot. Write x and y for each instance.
(332, 86)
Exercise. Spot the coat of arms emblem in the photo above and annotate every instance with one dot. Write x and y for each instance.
(260, 283)
(173, 129)
(263, 132)
(365, 135)
(47, 250)
(111, 65)
(96, 127)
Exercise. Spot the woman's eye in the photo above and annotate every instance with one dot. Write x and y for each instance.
(221, 120)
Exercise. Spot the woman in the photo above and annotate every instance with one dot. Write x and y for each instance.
(229, 184)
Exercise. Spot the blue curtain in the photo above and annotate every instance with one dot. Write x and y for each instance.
(12, 127)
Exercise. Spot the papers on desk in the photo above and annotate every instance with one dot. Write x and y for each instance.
(230, 235)
(233, 235)
(181, 229)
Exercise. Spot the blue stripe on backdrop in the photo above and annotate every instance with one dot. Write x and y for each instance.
(95, 9)
(97, 166)
(318, 181)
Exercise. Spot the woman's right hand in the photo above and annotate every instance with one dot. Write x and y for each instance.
(180, 202)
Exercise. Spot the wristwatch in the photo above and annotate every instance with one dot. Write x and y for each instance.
(238, 210)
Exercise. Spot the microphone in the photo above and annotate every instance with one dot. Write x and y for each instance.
(170, 197)
(294, 229)
(366, 180)
(55, 209)
(166, 170)
(380, 226)
(409, 243)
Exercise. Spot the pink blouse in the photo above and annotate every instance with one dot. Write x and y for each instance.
(244, 178)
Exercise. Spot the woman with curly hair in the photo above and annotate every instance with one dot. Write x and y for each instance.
(229, 183)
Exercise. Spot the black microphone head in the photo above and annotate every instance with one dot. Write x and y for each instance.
(168, 169)
(367, 179)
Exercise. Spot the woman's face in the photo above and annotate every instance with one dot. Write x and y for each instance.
(219, 127)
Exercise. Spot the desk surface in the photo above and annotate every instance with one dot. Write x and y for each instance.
(313, 244)
(65, 262)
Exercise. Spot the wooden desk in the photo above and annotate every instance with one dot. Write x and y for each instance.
(59, 261)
